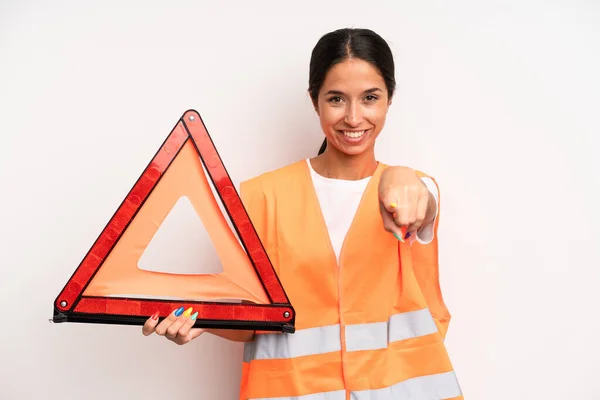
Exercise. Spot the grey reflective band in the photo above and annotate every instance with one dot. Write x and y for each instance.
(377, 335)
(369, 336)
(335, 395)
(439, 386)
(304, 342)
(326, 339)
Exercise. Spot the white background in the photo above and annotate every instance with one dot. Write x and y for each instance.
(499, 100)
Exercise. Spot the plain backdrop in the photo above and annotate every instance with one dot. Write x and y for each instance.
(498, 100)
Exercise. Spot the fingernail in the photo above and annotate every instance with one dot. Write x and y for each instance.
(193, 317)
(393, 205)
(407, 235)
(398, 237)
(188, 312)
(178, 311)
(154, 316)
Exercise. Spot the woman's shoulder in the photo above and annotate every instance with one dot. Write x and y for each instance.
(275, 179)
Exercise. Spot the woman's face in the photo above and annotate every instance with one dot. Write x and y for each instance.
(352, 106)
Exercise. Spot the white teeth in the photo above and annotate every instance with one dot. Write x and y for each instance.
(354, 134)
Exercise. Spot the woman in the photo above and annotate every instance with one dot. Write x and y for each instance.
(370, 317)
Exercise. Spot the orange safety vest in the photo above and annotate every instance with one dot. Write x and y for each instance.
(369, 328)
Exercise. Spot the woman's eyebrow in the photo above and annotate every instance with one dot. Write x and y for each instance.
(340, 93)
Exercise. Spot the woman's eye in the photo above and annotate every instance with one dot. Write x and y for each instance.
(335, 99)
(371, 98)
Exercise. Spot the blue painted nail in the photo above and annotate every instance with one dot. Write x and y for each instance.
(179, 311)
(407, 235)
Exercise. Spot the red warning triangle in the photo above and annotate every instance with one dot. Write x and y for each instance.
(246, 295)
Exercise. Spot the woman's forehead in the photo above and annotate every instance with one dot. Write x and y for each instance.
(353, 75)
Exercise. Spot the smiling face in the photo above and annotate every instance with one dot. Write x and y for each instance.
(352, 106)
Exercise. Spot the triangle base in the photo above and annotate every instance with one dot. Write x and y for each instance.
(132, 311)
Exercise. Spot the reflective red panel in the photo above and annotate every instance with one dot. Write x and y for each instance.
(212, 311)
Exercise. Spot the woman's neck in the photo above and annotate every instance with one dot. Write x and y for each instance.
(337, 165)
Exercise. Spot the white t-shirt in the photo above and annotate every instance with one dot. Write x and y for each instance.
(339, 200)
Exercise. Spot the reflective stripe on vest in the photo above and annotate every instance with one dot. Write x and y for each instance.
(325, 339)
(359, 337)
(440, 386)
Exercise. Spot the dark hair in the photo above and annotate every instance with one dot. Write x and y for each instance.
(337, 46)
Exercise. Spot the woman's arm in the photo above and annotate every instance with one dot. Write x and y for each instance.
(234, 335)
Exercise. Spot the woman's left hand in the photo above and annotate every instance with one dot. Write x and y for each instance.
(404, 201)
